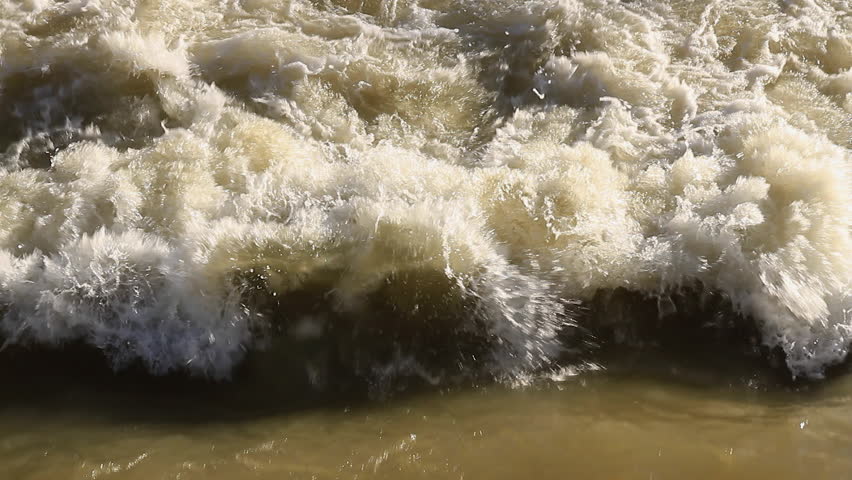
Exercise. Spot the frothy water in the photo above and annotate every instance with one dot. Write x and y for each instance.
(184, 182)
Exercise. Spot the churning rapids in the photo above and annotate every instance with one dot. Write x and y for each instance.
(423, 187)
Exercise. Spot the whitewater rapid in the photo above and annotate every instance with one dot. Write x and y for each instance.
(177, 176)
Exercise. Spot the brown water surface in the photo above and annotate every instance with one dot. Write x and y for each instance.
(667, 419)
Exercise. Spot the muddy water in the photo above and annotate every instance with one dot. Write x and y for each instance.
(434, 215)
(670, 418)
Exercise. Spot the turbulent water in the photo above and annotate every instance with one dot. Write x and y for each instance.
(183, 182)
(369, 222)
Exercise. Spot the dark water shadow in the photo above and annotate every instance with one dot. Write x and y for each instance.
(700, 346)
(347, 361)
(696, 339)
(44, 110)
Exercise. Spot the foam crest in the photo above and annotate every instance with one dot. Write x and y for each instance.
(182, 180)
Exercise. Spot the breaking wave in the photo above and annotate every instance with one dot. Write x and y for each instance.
(182, 181)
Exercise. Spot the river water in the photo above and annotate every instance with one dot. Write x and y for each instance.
(425, 238)
(673, 417)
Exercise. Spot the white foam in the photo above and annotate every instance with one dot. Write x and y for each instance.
(644, 147)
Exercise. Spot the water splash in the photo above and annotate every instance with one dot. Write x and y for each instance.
(170, 167)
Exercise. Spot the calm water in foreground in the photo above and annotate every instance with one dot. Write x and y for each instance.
(671, 420)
